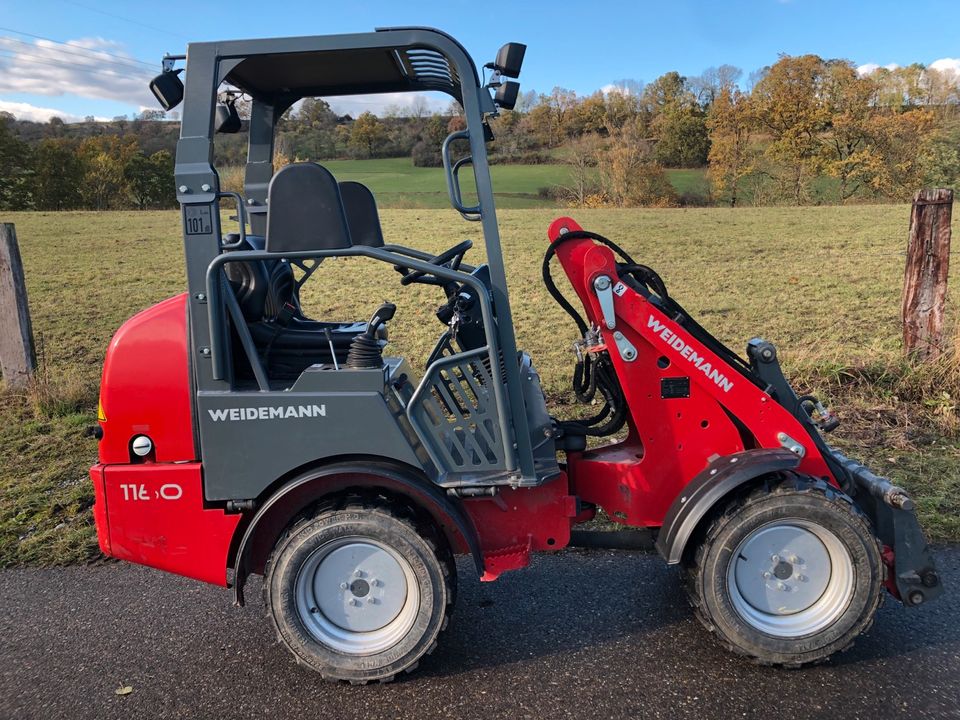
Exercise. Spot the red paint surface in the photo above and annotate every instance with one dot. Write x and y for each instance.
(145, 389)
(175, 533)
(670, 440)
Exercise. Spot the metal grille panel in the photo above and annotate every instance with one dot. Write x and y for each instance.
(455, 414)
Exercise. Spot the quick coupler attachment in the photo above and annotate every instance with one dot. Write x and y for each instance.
(880, 487)
(912, 574)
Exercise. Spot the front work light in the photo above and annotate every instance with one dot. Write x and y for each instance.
(167, 88)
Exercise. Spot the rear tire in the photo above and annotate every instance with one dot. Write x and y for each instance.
(787, 574)
(358, 593)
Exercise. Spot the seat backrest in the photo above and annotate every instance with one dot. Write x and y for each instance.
(362, 216)
(304, 210)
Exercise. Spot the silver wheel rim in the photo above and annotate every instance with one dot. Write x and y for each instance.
(790, 578)
(357, 596)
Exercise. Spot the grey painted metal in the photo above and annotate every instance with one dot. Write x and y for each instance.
(207, 65)
(452, 413)
(17, 354)
(708, 488)
(790, 578)
(250, 439)
(357, 595)
(218, 348)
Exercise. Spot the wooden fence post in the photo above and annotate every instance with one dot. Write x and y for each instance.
(925, 276)
(18, 358)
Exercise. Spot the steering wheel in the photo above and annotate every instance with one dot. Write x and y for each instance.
(450, 258)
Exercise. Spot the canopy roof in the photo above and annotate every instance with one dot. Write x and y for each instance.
(389, 60)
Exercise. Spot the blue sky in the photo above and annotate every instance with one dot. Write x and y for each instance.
(579, 45)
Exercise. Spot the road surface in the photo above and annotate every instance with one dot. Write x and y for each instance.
(578, 635)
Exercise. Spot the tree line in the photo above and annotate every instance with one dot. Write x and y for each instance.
(804, 130)
(99, 172)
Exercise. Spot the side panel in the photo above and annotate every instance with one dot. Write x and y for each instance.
(248, 440)
(145, 388)
(156, 517)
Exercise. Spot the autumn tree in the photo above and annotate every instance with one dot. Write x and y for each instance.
(730, 123)
(367, 135)
(849, 101)
(581, 159)
(788, 105)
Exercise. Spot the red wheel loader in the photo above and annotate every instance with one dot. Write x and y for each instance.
(239, 436)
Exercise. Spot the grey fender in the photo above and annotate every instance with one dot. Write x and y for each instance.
(297, 494)
(709, 487)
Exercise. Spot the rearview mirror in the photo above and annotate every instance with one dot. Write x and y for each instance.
(228, 119)
(506, 96)
(167, 88)
(510, 59)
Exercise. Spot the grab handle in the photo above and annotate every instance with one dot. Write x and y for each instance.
(452, 171)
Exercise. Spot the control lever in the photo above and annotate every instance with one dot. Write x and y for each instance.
(365, 350)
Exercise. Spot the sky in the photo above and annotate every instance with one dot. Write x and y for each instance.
(113, 48)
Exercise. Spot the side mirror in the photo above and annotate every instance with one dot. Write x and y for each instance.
(167, 88)
(506, 96)
(227, 119)
(510, 59)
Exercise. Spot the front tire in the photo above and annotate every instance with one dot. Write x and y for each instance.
(787, 574)
(358, 593)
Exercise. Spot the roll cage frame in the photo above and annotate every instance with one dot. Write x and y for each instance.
(440, 64)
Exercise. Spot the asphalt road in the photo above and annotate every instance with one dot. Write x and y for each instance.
(580, 635)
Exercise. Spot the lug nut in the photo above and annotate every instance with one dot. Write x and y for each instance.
(344, 586)
(767, 574)
(372, 600)
(802, 578)
(783, 586)
(378, 583)
(795, 560)
(358, 573)
(354, 602)
(775, 558)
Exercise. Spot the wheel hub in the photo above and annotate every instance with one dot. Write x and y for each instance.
(354, 594)
(790, 578)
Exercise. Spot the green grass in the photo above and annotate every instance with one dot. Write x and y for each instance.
(823, 283)
(397, 183)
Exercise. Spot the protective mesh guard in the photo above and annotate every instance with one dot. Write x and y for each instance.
(455, 414)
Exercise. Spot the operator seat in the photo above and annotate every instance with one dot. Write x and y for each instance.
(307, 210)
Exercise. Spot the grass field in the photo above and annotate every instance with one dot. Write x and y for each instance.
(397, 183)
(823, 283)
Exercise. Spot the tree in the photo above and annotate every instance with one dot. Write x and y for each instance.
(682, 137)
(629, 178)
(104, 159)
(849, 100)
(560, 104)
(788, 103)
(729, 121)
(367, 135)
(581, 158)
(150, 179)
(58, 175)
(15, 168)
(707, 86)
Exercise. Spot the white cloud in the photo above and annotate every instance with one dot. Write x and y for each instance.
(946, 65)
(399, 103)
(86, 69)
(611, 88)
(26, 111)
(870, 68)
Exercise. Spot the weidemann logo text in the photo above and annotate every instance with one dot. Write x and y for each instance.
(690, 354)
(281, 412)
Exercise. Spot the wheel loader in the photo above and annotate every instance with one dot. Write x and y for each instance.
(238, 436)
